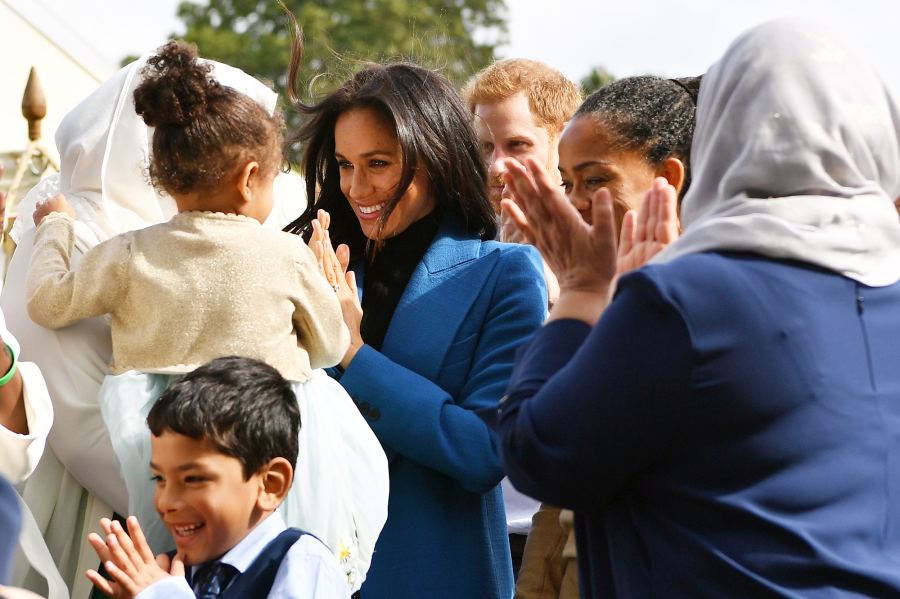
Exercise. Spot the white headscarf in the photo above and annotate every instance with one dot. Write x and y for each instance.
(796, 155)
(104, 147)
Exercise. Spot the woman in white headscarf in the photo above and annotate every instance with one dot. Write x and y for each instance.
(104, 146)
(730, 426)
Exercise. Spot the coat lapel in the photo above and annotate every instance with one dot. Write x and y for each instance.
(437, 298)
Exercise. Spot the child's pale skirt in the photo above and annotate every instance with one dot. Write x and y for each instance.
(340, 489)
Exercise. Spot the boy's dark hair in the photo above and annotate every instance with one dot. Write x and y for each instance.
(243, 407)
(650, 115)
(204, 130)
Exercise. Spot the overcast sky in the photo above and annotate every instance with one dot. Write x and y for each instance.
(627, 37)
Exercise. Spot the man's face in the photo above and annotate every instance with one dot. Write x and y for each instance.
(507, 129)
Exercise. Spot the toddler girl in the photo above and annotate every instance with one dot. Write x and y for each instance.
(213, 282)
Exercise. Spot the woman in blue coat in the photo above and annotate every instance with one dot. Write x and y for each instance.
(393, 159)
(730, 426)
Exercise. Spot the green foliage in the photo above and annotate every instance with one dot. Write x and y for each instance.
(458, 37)
(597, 78)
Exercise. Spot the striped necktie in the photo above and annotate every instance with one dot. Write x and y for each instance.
(213, 578)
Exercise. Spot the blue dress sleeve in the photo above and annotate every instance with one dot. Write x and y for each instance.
(587, 408)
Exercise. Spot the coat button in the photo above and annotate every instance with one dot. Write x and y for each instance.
(374, 414)
(364, 408)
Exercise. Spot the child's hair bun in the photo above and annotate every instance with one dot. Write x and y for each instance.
(176, 87)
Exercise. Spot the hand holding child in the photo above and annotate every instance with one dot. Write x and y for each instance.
(129, 560)
(57, 203)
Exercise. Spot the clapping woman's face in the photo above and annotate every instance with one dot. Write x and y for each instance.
(370, 164)
(589, 160)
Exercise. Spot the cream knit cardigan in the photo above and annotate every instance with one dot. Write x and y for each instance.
(201, 286)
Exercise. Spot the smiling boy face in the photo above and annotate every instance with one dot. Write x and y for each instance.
(202, 496)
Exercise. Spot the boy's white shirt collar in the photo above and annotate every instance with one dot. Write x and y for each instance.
(299, 580)
(242, 555)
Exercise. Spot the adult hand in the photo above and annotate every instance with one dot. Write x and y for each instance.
(582, 256)
(57, 203)
(317, 242)
(333, 264)
(509, 229)
(129, 560)
(649, 231)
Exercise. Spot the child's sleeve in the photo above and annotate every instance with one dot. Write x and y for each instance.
(59, 294)
(318, 319)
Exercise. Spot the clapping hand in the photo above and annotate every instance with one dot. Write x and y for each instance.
(582, 256)
(509, 228)
(128, 560)
(585, 257)
(647, 232)
(333, 264)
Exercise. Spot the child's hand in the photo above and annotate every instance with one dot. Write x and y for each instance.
(129, 560)
(57, 203)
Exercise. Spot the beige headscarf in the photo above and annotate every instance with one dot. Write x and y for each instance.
(796, 155)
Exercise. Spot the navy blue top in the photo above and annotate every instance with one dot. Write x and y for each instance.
(730, 428)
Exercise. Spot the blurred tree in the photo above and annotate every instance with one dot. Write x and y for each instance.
(597, 78)
(458, 37)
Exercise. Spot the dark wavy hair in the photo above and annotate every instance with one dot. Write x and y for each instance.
(203, 129)
(243, 407)
(650, 115)
(436, 137)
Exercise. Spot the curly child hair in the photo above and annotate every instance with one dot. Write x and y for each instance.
(205, 131)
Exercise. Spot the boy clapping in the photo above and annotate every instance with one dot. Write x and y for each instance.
(223, 451)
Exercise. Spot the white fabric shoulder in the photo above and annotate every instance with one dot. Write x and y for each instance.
(20, 454)
(796, 155)
(309, 570)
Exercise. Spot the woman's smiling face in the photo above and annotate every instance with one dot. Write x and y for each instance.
(371, 164)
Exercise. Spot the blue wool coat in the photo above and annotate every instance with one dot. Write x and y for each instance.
(448, 352)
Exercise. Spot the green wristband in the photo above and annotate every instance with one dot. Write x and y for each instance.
(12, 367)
